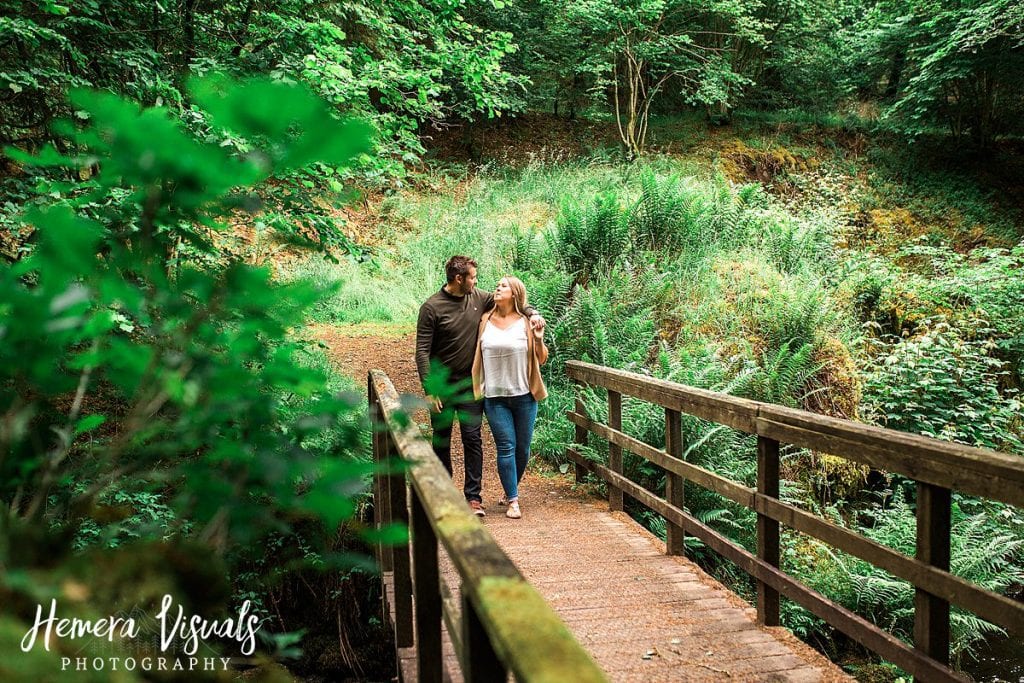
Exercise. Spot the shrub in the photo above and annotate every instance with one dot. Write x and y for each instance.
(611, 323)
(663, 212)
(940, 384)
(785, 377)
(776, 310)
(793, 245)
(985, 284)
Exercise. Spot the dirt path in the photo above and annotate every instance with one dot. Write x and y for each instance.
(356, 350)
(642, 615)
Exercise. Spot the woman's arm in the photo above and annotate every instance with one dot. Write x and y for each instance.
(540, 349)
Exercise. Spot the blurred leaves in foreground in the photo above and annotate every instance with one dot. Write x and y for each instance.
(160, 426)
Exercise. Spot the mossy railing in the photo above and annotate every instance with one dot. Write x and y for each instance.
(503, 625)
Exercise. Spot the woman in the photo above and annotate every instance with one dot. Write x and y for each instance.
(506, 373)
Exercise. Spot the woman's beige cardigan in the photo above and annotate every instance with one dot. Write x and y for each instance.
(536, 351)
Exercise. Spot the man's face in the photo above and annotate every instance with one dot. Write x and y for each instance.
(467, 282)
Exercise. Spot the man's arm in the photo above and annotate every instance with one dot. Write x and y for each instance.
(424, 341)
(537, 321)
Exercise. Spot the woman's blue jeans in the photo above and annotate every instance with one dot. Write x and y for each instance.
(511, 419)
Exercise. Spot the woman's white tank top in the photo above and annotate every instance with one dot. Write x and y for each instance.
(504, 357)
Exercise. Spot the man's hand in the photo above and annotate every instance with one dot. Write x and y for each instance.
(538, 323)
(435, 404)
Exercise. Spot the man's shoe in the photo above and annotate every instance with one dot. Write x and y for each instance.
(513, 511)
(477, 508)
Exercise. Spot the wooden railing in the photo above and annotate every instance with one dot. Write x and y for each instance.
(937, 466)
(503, 624)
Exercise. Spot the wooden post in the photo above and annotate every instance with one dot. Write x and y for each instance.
(673, 482)
(399, 511)
(427, 586)
(581, 439)
(381, 494)
(482, 663)
(931, 614)
(380, 490)
(767, 528)
(614, 450)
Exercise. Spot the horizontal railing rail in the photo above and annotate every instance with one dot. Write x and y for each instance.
(502, 625)
(938, 467)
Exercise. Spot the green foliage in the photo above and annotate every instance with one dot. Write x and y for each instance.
(634, 53)
(591, 238)
(967, 58)
(146, 398)
(776, 311)
(805, 60)
(941, 384)
(397, 64)
(792, 245)
(674, 216)
(984, 285)
(785, 378)
(609, 323)
(659, 211)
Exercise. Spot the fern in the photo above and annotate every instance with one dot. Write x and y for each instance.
(591, 239)
(792, 245)
(524, 251)
(785, 377)
(657, 215)
(981, 552)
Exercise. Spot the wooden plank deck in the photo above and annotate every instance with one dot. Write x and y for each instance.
(643, 616)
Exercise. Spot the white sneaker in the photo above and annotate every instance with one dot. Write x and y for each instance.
(513, 511)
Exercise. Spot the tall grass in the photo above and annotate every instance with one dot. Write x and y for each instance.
(483, 216)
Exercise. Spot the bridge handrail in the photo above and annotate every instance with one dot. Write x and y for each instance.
(505, 625)
(937, 466)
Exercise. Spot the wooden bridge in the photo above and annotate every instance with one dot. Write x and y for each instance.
(577, 591)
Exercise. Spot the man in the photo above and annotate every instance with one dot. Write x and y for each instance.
(446, 332)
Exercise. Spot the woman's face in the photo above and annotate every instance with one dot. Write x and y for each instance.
(502, 292)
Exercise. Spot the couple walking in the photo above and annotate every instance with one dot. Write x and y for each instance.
(495, 340)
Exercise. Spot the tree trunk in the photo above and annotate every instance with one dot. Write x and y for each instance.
(719, 113)
(243, 32)
(892, 85)
(189, 27)
(631, 103)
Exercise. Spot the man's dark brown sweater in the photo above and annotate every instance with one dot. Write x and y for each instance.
(447, 330)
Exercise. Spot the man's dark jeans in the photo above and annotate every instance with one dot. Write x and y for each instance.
(470, 417)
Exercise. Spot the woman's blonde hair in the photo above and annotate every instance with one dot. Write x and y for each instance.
(518, 293)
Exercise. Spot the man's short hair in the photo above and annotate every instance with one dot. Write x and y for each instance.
(458, 265)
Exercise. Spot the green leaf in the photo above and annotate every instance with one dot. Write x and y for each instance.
(47, 156)
(67, 244)
(89, 423)
(296, 126)
(392, 534)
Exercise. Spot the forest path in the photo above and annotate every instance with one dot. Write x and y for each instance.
(642, 615)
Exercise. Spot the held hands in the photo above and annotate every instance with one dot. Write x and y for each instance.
(538, 324)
